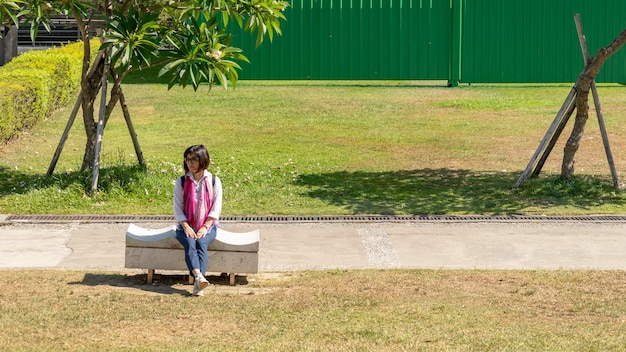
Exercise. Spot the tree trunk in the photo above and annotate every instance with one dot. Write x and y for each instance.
(583, 86)
(582, 114)
(116, 91)
(91, 87)
(91, 122)
(90, 133)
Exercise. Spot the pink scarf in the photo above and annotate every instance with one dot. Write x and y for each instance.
(197, 212)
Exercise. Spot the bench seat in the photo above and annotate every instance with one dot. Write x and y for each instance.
(158, 249)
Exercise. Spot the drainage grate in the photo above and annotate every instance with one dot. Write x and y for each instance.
(328, 218)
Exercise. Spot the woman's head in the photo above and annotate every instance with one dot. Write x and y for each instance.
(196, 154)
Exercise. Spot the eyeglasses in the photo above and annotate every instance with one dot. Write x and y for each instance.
(193, 159)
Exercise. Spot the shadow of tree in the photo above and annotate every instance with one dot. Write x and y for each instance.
(19, 182)
(420, 191)
(15, 181)
(447, 191)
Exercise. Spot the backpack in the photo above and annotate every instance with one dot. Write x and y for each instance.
(183, 178)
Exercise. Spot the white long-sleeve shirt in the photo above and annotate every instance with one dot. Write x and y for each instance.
(179, 207)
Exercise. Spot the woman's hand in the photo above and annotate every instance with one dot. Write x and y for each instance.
(201, 232)
(189, 232)
(204, 229)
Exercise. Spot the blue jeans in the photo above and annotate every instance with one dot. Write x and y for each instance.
(196, 251)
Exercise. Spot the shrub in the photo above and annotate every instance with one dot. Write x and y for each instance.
(36, 83)
(11, 101)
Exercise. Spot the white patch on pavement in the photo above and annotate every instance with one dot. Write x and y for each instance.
(378, 248)
(23, 248)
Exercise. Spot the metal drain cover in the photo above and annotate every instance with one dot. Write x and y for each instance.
(320, 218)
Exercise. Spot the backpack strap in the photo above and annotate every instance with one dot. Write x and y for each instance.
(182, 181)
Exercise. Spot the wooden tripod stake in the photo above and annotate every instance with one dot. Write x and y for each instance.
(552, 135)
(101, 122)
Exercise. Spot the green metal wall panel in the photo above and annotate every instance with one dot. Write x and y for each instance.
(355, 40)
(536, 40)
(473, 41)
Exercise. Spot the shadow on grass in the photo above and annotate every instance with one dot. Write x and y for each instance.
(18, 182)
(165, 286)
(162, 284)
(420, 191)
(447, 191)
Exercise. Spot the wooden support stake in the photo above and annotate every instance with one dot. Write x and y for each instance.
(605, 137)
(555, 138)
(99, 131)
(596, 101)
(66, 133)
(131, 130)
(550, 134)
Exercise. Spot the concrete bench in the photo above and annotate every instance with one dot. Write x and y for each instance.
(230, 252)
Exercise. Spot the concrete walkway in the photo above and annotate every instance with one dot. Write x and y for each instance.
(296, 246)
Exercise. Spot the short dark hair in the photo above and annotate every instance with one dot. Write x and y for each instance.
(203, 156)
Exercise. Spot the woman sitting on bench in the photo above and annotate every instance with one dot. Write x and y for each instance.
(197, 208)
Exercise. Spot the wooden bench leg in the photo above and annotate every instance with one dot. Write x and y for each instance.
(231, 278)
(150, 275)
(190, 279)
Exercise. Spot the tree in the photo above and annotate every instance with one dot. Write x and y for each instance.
(9, 13)
(583, 85)
(578, 99)
(189, 38)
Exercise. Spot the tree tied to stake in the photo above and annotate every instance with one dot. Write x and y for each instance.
(191, 39)
(583, 85)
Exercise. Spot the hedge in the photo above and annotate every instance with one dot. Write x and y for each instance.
(36, 83)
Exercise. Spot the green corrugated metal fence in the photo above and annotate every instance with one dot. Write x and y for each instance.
(356, 39)
(536, 40)
(455, 40)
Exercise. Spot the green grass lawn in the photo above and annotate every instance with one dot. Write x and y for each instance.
(323, 148)
(327, 148)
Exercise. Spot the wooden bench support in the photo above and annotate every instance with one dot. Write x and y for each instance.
(150, 275)
(158, 249)
(150, 278)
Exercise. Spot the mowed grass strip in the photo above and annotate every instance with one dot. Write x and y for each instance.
(369, 310)
(310, 148)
